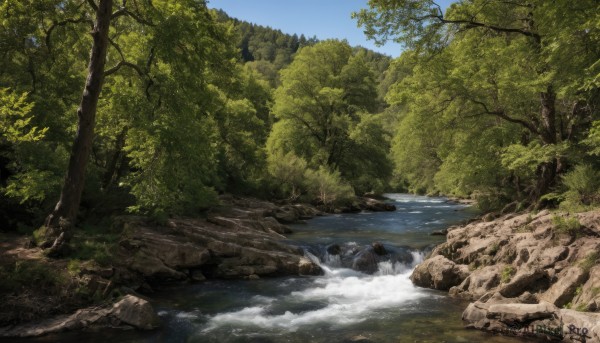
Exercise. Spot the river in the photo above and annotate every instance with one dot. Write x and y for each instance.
(343, 305)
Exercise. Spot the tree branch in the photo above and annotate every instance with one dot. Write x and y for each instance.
(471, 24)
(501, 114)
(64, 23)
(93, 5)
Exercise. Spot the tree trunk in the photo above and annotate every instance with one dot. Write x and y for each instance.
(548, 101)
(547, 172)
(59, 224)
(111, 169)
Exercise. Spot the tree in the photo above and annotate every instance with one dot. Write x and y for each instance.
(510, 62)
(326, 93)
(59, 223)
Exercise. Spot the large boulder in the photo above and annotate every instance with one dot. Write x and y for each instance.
(136, 312)
(439, 273)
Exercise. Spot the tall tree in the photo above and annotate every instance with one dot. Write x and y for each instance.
(325, 93)
(59, 223)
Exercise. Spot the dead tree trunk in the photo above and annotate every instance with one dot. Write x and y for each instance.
(59, 224)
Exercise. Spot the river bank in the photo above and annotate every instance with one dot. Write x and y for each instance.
(243, 238)
(528, 275)
(341, 305)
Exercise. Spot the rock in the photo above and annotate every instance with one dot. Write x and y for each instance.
(378, 248)
(589, 294)
(197, 276)
(564, 289)
(334, 249)
(366, 261)
(524, 280)
(439, 273)
(287, 215)
(578, 325)
(550, 256)
(136, 312)
(307, 267)
(478, 283)
(442, 232)
(542, 321)
(129, 312)
(550, 271)
(511, 313)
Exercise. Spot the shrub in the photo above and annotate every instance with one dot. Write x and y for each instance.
(29, 274)
(583, 188)
(289, 170)
(568, 225)
(507, 273)
(327, 187)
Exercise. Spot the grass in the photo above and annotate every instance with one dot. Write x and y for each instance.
(95, 243)
(507, 274)
(493, 250)
(589, 261)
(566, 225)
(27, 274)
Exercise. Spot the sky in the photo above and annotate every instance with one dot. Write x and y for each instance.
(321, 18)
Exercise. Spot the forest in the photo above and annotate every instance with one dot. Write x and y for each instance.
(167, 104)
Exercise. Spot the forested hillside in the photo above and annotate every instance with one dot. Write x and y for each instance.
(492, 100)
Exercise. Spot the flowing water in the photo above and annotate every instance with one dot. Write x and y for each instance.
(343, 305)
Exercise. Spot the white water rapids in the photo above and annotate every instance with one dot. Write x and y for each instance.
(346, 297)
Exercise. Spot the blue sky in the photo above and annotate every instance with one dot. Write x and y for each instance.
(322, 18)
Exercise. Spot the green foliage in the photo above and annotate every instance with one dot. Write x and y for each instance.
(327, 187)
(484, 106)
(566, 225)
(93, 243)
(593, 139)
(488, 200)
(289, 171)
(16, 117)
(589, 261)
(507, 274)
(583, 188)
(525, 160)
(323, 116)
(28, 274)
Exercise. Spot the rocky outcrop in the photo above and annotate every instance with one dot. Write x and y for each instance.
(240, 240)
(129, 312)
(515, 259)
(539, 321)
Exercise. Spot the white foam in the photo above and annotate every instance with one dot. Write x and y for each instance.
(348, 296)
